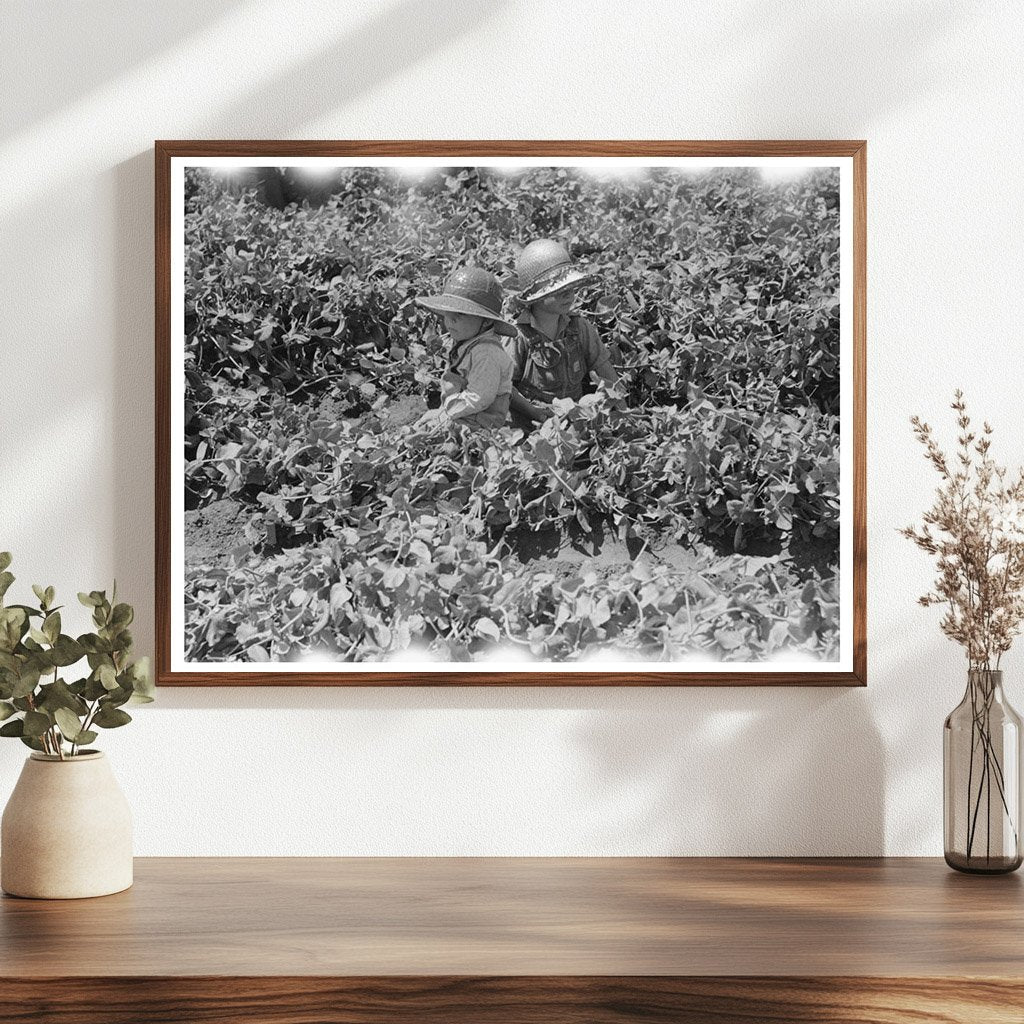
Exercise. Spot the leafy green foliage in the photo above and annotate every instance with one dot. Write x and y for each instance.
(302, 335)
(56, 717)
(427, 584)
(407, 541)
(732, 283)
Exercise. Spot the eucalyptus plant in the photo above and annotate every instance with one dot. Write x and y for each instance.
(46, 712)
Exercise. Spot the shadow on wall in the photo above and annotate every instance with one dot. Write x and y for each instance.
(742, 771)
(117, 40)
(395, 38)
(811, 56)
(117, 35)
(927, 676)
(693, 771)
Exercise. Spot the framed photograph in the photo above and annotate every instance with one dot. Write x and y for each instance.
(492, 413)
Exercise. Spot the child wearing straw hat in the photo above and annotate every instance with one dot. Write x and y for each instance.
(555, 351)
(477, 385)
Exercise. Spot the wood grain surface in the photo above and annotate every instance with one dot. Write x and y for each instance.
(165, 150)
(571, 940)
(520, 1000)
(503, 916)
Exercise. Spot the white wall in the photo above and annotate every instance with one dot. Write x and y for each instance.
(936, 88)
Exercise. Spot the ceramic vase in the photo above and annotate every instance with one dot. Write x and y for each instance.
(66, 830)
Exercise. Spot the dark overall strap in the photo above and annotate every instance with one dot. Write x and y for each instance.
(572, 340)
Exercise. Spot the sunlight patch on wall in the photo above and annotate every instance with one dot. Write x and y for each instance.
(259, 41)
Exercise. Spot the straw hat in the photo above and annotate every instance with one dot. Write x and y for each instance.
(544, 268)
(473, 291)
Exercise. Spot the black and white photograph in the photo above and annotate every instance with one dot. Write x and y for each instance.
(511, 414)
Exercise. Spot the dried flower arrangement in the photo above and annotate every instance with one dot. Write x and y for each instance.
(975, 529)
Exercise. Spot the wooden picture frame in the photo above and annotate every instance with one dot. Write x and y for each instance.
(724, 166)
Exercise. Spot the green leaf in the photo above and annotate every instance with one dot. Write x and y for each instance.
(101, 615)
(94, 689)
(30, 612)
(6, 579)
(15, 728)
(100, 608)
(31, 741)
(111, 718)
(8, 680)
(96, 660)
(5, 560)
(51, 626)
(59, 695)
(6, 710)
(27, 681)
(38, 635)
(50, 595)
(93, 644)
(115, 698)
(107, 676)
(13, 625)
(86, 736)
(89, 600)
(142, 680)
(66, 651)
(122, 616)
(40, 592)
(69, 724)
(36, 723)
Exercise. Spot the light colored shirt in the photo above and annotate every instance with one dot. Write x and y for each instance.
(478, 384)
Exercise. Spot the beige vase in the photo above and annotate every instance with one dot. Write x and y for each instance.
(66, 831)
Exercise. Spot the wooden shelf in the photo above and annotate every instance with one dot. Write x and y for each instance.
(573, 941)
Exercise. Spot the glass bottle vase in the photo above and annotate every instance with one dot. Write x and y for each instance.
(981, 774)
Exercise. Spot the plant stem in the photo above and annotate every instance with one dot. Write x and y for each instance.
(970, 767)
(982, 698)
(988, 811)
(58, 739)
(972, 833)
